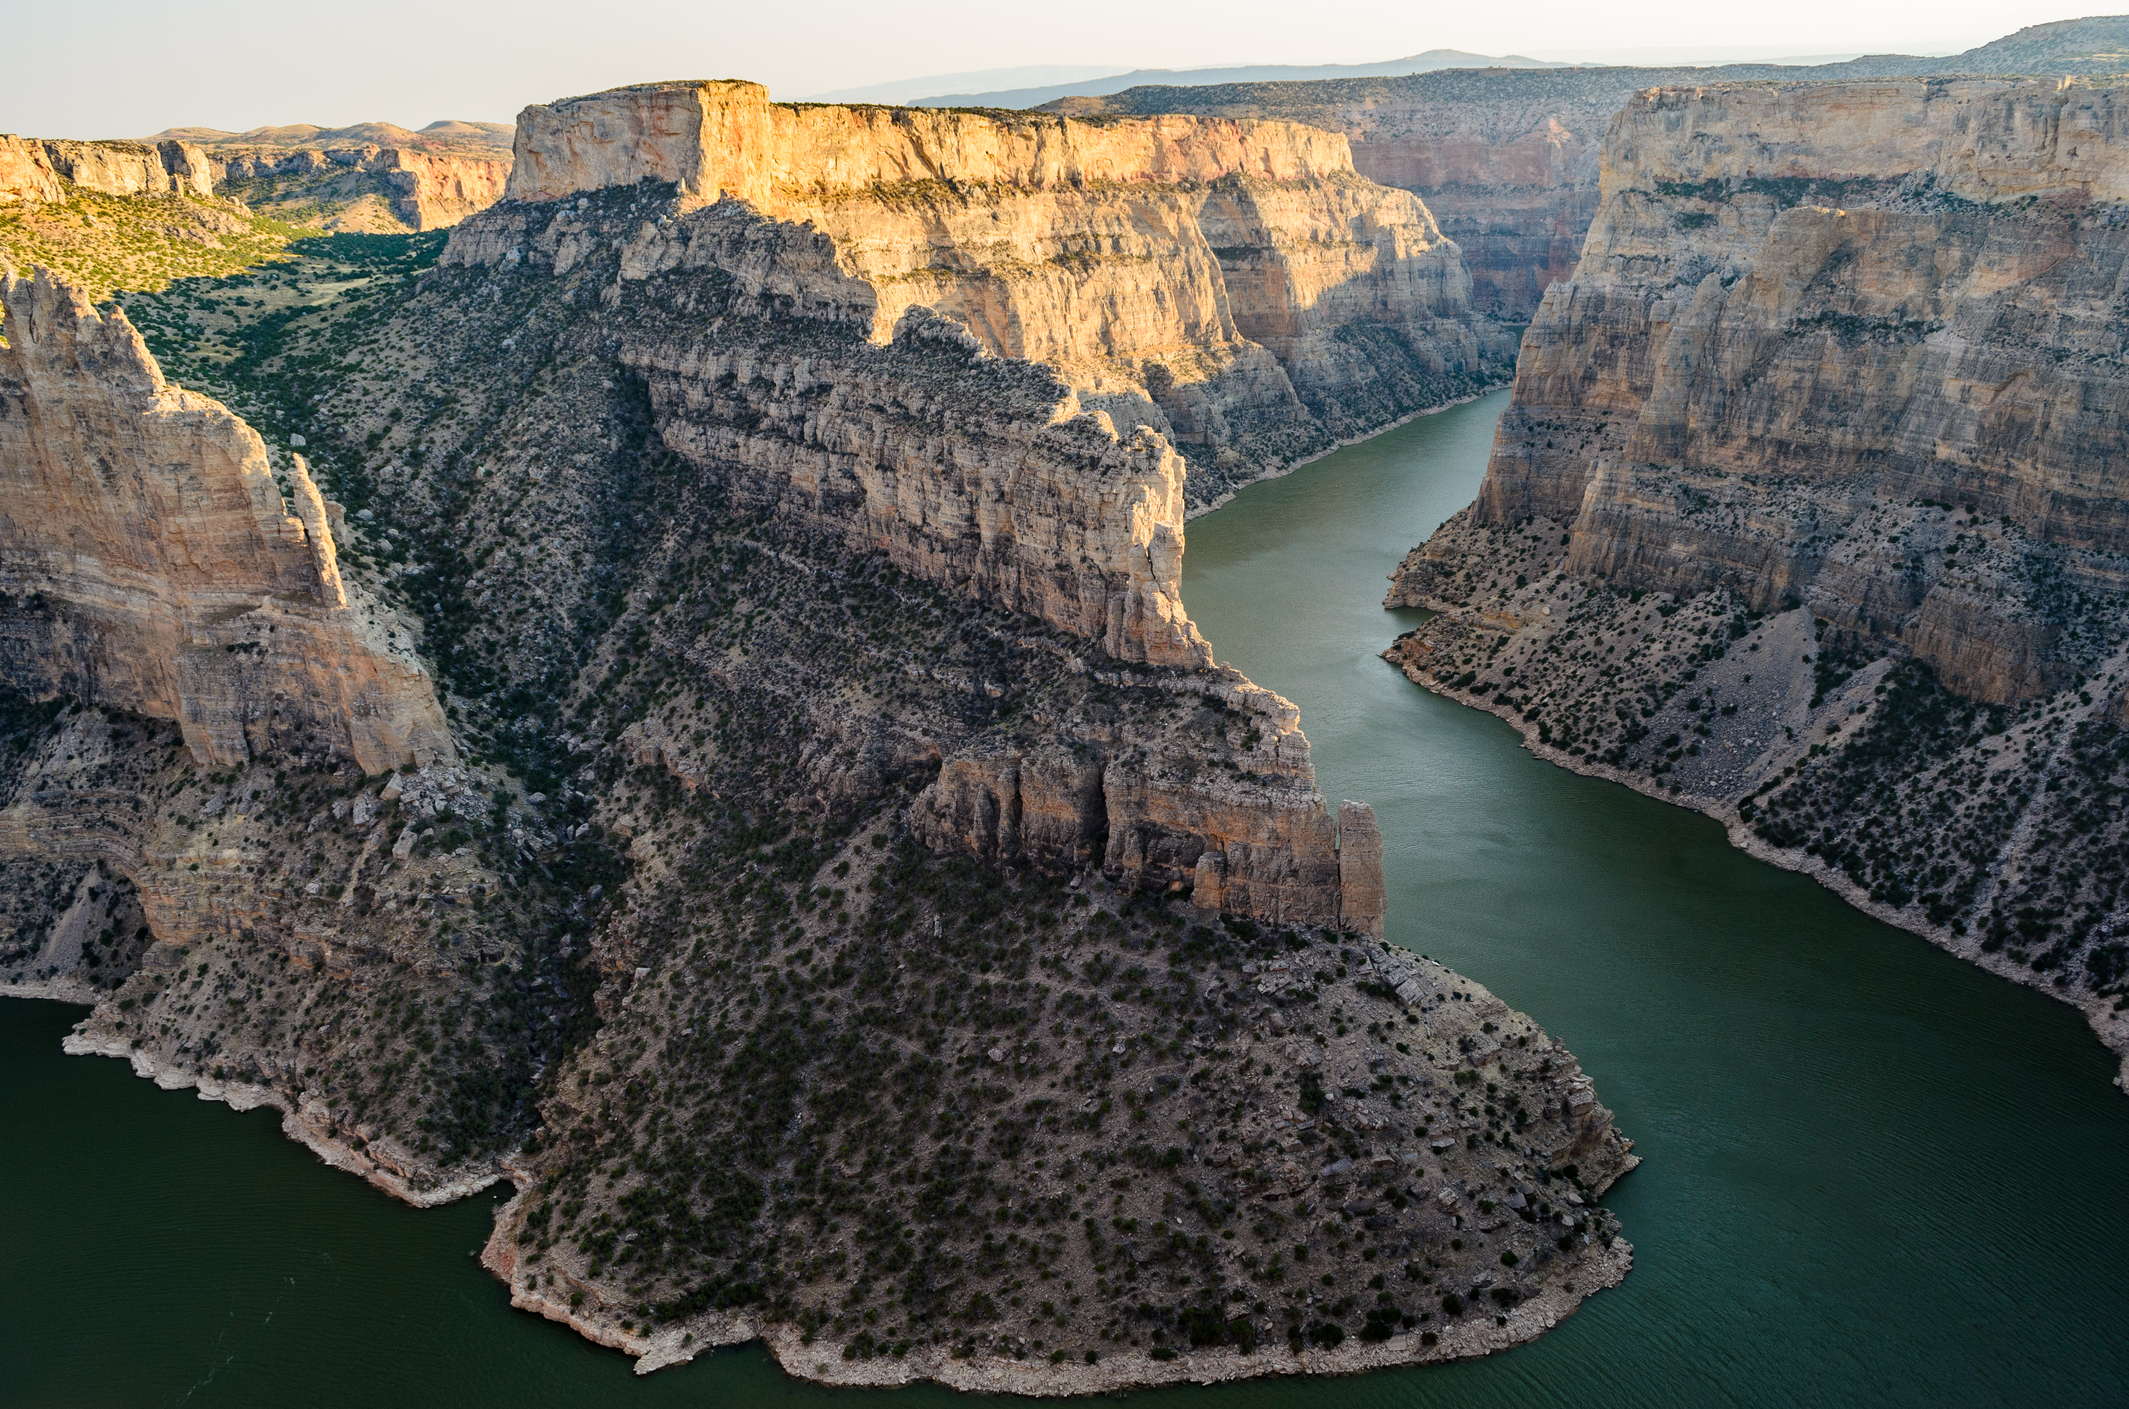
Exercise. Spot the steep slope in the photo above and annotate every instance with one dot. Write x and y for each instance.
(1840, 382)
(1232, 285)
(1507, 158)
(159, 569)
(863, 917)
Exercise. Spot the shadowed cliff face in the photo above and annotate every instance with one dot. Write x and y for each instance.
(1234, 286)
(1912, 299)
(1840, 383)
(149, 561)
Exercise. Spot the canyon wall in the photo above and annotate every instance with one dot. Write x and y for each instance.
(836, 742)
(361, 186)
(1508, 159)
(26, 173)
(149, 561)
(1235, 286)
(1839, 385)
(338, 185)
(1802, 303)
(758, 352)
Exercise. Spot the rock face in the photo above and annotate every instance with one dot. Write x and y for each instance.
(983, 475)
(131, 168)
(418, 190)
(1801, 304)
(1841, 372)
(26, 173)
(1508, 159)
(1233, 285)
(150, 562)
(338, 184)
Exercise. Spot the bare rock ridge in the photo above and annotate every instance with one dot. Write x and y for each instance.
(1233, 285)
(149, 562)
(1508, 159)
(1840, 377)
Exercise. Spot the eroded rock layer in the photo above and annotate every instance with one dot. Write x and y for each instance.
(1842, 369)
(1233, 285)
(1508, 159)
(149, 562)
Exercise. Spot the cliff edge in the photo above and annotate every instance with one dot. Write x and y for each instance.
(1807, 508)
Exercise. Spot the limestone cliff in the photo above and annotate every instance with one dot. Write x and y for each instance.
(1841, 370)
(985, 476)
(364, 187)
(149, 561)
(1236, 286)
(26, 173)
(1507, 159)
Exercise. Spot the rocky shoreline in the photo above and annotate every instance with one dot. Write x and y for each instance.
(1282, 471)
(823, 1360)
(392, 1176)
(2110, 1025)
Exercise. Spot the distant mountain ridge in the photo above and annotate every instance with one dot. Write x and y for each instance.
(451, 134)
(1426, 62)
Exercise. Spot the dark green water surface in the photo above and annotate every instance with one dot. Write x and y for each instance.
(1874, 1175)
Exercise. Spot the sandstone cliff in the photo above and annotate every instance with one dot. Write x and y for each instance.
(150, 562)
(26, 173)
(1841, 370)
(1233, 285)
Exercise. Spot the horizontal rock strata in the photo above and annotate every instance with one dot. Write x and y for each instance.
(1508, 159)
(1841, 372)
(862, 894)
(1233, 285)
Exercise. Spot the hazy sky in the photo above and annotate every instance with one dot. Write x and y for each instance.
(111, 68)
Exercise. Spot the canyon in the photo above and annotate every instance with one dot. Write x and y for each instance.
(1234, 286)
(749, 776)
(1805, 510)
(373, 179)
(1508, 159)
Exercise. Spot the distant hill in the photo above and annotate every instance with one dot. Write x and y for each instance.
(464, 138)
(1431, 60)
(1027, 77)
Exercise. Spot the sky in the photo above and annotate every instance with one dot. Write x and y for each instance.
(127, 68)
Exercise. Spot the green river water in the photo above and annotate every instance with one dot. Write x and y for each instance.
(1873, 1174)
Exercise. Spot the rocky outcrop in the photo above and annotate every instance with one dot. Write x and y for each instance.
(132, 168)
(336, 184)
(986, 476)
(150, 562)
(1840, 378)
(26, 173)
(1235, 286)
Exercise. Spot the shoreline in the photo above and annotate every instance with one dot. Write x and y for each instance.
(1347, 443)
(2109, 1026)
(822, 1361)
(243, 1096)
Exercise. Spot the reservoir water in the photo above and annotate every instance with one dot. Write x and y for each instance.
(1873, 1174)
